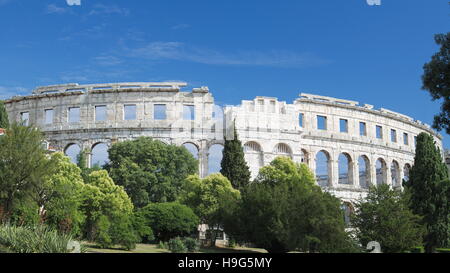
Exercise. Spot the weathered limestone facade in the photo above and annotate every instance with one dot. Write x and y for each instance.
(267, 127)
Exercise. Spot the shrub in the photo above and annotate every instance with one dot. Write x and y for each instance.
(169, 220)
(192, 244)
(176, 245)
(35, 239)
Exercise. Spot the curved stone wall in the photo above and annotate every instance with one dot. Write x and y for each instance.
(326, 133)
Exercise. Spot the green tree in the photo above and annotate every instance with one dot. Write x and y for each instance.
(61, 196)
(150, 170)
(169, 220)
(436, 80)
(4, 122)
(429, 188)
(23, 166)
(209, 199)
(283, 210)
(233, 164)
(384, 216)
(108, 211)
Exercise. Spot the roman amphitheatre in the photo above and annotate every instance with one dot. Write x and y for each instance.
(347, 144)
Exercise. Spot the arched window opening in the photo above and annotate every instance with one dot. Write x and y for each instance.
(323, 169)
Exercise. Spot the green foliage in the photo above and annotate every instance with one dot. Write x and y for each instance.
(429, 189)
(436, 79)
(181, 245)
(23, 166)
(169, 220)
(108, 211)
(34, 239)
(384, 216)
(233, 164)
(61, 196)
(150, 170)
(192, 244)
(4, 121)
(176, 245)
(142, 229)
(209, 198)
(283, 210)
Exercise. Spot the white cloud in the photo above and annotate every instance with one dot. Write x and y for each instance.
(7, 92)
(104, 9)
(73, 2)
(55, 9)
(182, 52)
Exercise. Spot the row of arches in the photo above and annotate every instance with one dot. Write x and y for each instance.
(346, 165)
(255, 156)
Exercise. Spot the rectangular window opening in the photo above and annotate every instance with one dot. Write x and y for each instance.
(393, 135)
(100, 113)
(343, 125)
(25, 118)
(129, 112)
(405, 139)
(188, 112)
(48, 116)
(321, 122)
(362, 129)
(379, 132)
(74, 114)
(160, 112)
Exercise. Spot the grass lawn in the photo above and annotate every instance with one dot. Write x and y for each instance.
(148, 248)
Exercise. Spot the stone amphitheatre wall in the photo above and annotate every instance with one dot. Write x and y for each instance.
(325, 133)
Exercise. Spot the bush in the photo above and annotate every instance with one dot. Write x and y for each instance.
(36, 239)
(192, 245)
(176, 245)
(169, 220)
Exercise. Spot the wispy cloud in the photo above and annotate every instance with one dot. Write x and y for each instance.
(73, 2)
(7, 92)
(181, 52)
(107, 60)
(51, 9)
(112, 9)
(180, 26)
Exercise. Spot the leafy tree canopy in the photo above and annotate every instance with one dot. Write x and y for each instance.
(23, 166)
(283, 210)
(4, 122)
(150, 170)
(429, 188)
(169, 220)
(436, 79)
(384, 216)
(233, 164)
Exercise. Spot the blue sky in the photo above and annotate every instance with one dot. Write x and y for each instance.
(240, 49)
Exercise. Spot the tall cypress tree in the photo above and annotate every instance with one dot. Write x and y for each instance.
(233, 165)
(429, 186)
(4, 122)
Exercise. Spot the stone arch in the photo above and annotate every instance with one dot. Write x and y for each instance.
(381, 171)
(254, 157)
(323, 168)
(192, 148)
(282, 149)
(406, 171)
(72, 150)
(364, 171)
(345, 164)
(99, 154)
(214, 158)
(304, 154)
(348, 210)
(395, 174)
